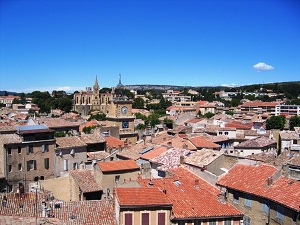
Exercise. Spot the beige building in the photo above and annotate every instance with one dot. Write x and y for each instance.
(110, 174)
(27, 156)
(264, 196)
(91, 99)
(142, 206)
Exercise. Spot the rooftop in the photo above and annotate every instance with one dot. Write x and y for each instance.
(85, 180)
(252, 180)
(202, 142)
(118, 165)
(69, 142)
(185, 190)
(202, 158)
(258, 142)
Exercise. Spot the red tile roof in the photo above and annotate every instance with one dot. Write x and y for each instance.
(143, 196)
(252, 180)
(85, 180)
(118, 165)
(69, 142)
(259, 142)
(202, 142)
(259, 103)
(185, 196)
(154, 153)
(113, 142)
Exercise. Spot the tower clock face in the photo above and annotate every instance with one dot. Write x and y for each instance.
(124, 109)
(125, 124)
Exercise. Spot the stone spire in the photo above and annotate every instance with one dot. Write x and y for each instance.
(96, 85)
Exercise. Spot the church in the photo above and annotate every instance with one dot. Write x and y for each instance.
(118, 110)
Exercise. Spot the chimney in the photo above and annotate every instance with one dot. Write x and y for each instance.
(181, 160)
(196, 184)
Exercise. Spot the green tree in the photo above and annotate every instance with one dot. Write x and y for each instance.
(98, 117)
(276, 122)
(140, 127)
(16, 101)
(208, 115)
(229, 112)
(65, 104)
(294, 122)
(138, 103)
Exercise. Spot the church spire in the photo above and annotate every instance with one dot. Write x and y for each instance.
(96, 85)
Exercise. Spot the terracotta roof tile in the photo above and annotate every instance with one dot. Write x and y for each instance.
(85, 180)
(118, 165)
(98, 155)
(154, 153)
(185, 196)
(56, 122)
(202, 158)
(289, 135)
(202, 142)
(252, 180)
(113, 142)
(259, 142)
(69, 142)
(170, 159)
(143, 196)
(92, 138)
(10, 138)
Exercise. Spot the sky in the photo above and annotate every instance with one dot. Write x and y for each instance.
(50, 45)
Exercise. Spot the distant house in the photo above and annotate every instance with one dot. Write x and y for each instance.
(110, 174)
(255, 146)
(70, 154)
(289, 140)
(144, 205)
(27, 156)
(264, 196)
(194, 201)
(83, 185)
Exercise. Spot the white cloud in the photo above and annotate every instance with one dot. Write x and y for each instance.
(261, 66)
(229, 85)
(65, 88)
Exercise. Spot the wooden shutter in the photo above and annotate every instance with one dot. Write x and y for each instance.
(34, 164)
(145, 218)
(161, 218)
(28, 165)
(128, 218)
(46, 162)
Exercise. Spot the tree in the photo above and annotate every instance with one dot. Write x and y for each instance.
(138, 103)
(229, 112)
(65, 104)
(275, 122)
(294, 122)
(97, 117)
(16, 101)
(140, 127)
(208, 115)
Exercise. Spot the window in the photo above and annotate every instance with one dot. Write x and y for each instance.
(75, 166)
(19, 149)
(247, 220)
(181, 223)
(10, 168)
(65, 164)
(117, 178)
(265, 206)
(279, 212)
(29, 149)
(197, 222)
(128, 218)
(145, 219)
(227, 222)
(31, 165)
(220, 133)
(212, 223)
(226, 133)
(236, 197)
(46, 163)
(45, 148)
(161, 218)
(248, 200)
(9, 150)
(294, 142)
(20, 166)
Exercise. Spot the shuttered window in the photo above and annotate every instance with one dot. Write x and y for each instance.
(128, 218)
(161, 218)
(145, 219)
(46, 162)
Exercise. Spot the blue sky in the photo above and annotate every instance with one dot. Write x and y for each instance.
(63, 44)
